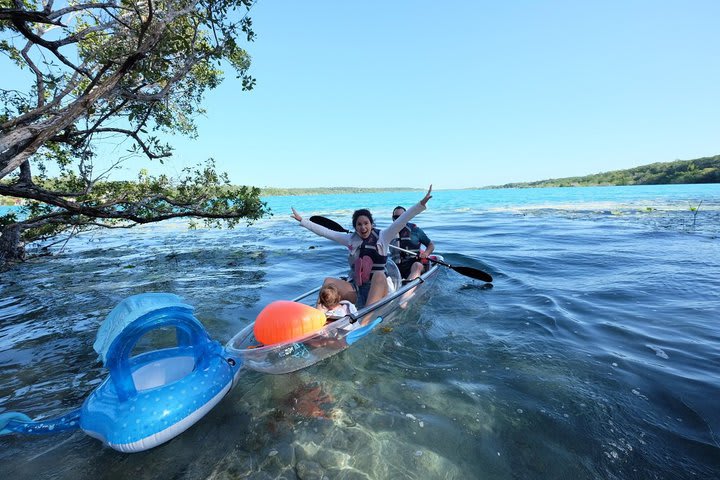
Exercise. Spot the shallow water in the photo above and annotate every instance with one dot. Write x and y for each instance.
(595, 355)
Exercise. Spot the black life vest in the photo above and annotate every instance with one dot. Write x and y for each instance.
(405, 242)
(368, 248)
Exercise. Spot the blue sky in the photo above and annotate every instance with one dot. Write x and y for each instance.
(464, 93)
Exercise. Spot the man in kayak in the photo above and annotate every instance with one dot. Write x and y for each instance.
(368, 248)
(411, 237)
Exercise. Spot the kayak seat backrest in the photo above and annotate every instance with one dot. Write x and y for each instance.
(393, 273)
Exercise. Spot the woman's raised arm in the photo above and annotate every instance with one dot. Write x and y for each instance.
(341, 238)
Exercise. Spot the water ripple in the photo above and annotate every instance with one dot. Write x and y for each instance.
(594, 355)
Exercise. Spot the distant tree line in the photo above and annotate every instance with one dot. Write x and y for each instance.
(278, 192)
(700, 170)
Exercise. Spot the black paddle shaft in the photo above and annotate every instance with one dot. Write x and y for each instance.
(467, 271)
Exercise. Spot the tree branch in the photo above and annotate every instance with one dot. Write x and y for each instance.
(189, 64)
(52, 46)
(18, 14)
(76, 37)
(108, 6)
(134, 135)
(38, 112)
(39, 83)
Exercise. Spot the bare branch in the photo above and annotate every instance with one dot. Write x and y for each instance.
(134, 135)
(104, 174)
(50, 45)
(17, 14)
(39, 83)
(103, 118)
(86, 6)
(25, 174)
(38, 112)
(26, 141)
(83, 33)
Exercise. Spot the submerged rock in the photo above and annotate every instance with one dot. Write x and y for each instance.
(308, 470)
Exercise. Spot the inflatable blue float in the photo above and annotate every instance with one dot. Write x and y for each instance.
(149, 398)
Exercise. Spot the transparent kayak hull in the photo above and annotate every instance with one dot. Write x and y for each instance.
(335, 336)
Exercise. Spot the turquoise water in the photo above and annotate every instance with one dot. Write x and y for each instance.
(595, 355)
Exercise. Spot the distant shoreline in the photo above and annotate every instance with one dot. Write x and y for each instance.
(290, 192)
(7, 201)
(679, 172)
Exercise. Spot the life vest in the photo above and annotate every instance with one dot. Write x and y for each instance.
(366, 259)
(405, 242)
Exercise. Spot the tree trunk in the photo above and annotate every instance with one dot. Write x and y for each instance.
(11, 248)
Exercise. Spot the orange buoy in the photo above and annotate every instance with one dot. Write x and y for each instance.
(284, 321)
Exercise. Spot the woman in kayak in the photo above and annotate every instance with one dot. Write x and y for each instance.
(368, 252)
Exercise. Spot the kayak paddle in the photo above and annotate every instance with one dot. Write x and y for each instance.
(327, 223)
(467, 271)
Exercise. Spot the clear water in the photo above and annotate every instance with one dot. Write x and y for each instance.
(595, 355)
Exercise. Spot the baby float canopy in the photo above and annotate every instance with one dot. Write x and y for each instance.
(152, 397)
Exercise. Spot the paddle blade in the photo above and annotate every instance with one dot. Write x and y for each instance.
(360, 332)
(327, 223)
(473, 273)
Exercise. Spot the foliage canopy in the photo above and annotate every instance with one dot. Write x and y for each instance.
(113, 71)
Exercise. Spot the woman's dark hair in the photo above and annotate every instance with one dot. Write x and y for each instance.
(362, 212)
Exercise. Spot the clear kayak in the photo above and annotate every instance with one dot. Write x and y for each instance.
(336, 336)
